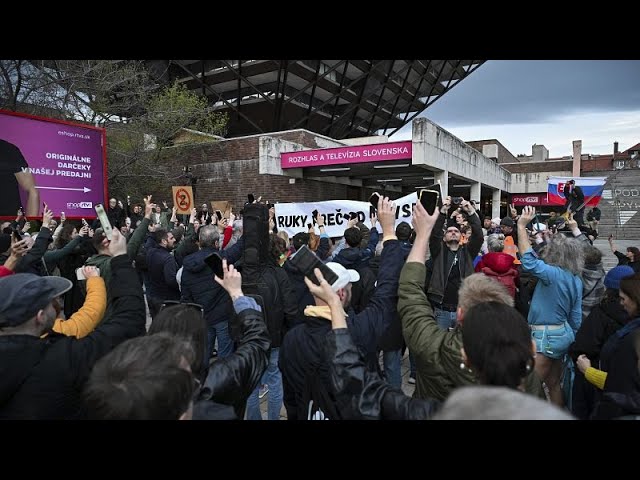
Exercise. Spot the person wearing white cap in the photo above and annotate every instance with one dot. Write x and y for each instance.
(305, 369)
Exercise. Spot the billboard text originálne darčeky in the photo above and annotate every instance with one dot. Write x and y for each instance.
(50, 161)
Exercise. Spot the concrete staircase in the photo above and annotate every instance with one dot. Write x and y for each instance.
(609, 260)
(620, 205)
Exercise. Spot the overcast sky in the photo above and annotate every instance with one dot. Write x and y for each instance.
(549, 102)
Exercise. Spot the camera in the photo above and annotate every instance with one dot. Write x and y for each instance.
(456, 200)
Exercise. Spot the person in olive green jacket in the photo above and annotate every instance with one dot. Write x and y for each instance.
(438, 352)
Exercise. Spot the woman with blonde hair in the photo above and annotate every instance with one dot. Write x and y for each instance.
(556, 307)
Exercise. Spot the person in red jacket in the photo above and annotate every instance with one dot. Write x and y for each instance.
(499, 265)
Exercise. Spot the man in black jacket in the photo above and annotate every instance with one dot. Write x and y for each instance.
(41, 378)
(162, 269)
(452, 262)
(296, 277)
(574, 197)
(198, 288)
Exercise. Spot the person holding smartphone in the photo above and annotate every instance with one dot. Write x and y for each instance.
(302, 360)
(451, 261)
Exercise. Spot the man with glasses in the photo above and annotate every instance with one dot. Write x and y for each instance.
(451, 262)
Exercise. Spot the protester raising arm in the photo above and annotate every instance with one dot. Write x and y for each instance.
(141, 230)
(475, 242)
(360, 393)
(436, 234)
(233, 378)
(32, 260)
(419, 327)
(368, 326)
(18, 250)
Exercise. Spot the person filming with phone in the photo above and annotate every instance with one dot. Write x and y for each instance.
(303, 363)
(450, 261)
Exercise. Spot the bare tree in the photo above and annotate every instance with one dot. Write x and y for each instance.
(140, 115)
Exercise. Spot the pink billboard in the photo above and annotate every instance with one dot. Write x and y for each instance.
(345, 155)
(59, 163)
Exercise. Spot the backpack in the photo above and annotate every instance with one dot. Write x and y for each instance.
(316, 399)
(259, 278)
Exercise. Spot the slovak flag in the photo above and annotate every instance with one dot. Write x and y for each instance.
(591, 187)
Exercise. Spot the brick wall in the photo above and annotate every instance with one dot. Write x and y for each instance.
(595, 164)
(228, 170)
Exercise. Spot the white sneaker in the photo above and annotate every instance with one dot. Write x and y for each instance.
(264, 389)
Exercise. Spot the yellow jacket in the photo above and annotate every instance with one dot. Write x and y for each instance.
(85, 320)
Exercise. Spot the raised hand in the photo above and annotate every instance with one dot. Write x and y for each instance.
(468, 207)
(387, 216)
(528, 214)
(423, 222)
(18, 250)
(323, 291)
(232, 281)
(512, 209)
(148, 207)
(47, 216)
(118, 244)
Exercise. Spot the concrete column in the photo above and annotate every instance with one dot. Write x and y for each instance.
(443, 178)
(495, 203)
(475, 192)
(577, 156)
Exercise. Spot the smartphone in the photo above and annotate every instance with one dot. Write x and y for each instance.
(306, 261)
(251, 198)
(315, 214)
(219, 215)
(214, 262)
(430, 198)
(17, 235)
(80, 273)
(373, 200)
(104, 221)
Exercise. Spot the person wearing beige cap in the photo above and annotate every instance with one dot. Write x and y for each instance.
(303, 363)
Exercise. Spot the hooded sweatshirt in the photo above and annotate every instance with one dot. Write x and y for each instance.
(499, 265)
(592, 287)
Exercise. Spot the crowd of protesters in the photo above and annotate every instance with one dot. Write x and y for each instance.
(501, 318)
